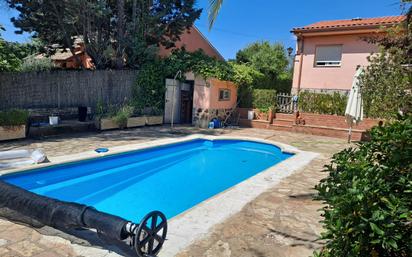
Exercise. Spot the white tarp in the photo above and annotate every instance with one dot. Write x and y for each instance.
(16, 158)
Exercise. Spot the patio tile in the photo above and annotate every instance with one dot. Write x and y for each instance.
(26, 248)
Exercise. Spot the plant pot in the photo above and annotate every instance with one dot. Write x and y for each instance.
(82, 111)
(271, 116)
(106, 123)
(136, 122)
(53, 120)
(12, 132)
(154, 120)
(250, 115)
(203, 123)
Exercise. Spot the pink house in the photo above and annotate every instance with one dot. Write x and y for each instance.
(328, 52)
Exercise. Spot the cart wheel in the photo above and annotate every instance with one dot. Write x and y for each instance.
(151, 234)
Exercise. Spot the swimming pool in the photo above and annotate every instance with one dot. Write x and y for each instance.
(170, 178)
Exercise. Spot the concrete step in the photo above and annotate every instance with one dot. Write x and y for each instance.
(286, 122)
(281, 127)
(285, 116)
(254, 123)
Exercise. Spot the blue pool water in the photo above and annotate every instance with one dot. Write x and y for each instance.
(170, 178)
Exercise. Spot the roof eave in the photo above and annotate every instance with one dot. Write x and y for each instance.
(343, 29)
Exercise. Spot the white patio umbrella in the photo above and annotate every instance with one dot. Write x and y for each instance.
(354, 107)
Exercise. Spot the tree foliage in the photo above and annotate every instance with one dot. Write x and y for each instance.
(12, 54)
(368, 196)
(387, 84)
(271, 61)
(214, 8)
(115, 33)
(387, 81)
(244, 75)
(150, 85)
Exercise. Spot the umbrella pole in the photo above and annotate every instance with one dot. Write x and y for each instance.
(350, 133)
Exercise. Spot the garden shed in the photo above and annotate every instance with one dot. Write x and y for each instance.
(197, 101)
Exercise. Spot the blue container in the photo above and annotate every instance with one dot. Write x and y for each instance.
(216, 123)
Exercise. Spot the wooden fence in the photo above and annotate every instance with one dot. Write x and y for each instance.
(284, 103)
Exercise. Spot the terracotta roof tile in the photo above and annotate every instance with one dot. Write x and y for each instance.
(352, 23)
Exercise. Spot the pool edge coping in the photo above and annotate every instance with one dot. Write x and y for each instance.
(196, 222)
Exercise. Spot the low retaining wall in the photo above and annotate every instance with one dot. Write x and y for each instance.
(315, 124)
(335, 121)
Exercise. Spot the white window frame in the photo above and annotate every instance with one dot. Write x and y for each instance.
(328, 63)
(226, 94)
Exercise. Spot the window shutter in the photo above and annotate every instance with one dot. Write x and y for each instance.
(331, 55)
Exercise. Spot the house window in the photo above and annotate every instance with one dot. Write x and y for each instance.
(224, 94)
(328, 56)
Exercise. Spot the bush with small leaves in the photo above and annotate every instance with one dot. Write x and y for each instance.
(368, 196)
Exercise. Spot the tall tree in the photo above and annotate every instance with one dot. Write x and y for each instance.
(51, 21)
(114, 32)
(387, 81)
(270, 60)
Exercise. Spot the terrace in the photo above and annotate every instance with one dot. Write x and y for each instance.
(282, 221)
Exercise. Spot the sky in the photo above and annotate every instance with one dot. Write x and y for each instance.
(241, 22)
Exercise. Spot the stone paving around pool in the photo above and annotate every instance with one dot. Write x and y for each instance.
(281, 222)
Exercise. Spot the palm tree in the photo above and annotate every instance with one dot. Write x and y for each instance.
(214, 7)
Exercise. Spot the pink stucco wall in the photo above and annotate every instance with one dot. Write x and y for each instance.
(206, 94)
(354, 52)
(193, 40)
(201, 94)
(216, 85)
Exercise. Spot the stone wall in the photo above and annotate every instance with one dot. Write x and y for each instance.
(202, 117)
(61, 89)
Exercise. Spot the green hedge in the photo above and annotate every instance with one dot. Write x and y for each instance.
(368, 196)
(256, 98)
(322, 103)
(264, 98)
(13, 117)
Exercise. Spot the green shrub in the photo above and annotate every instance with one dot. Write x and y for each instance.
(368, 196)
(263, 99)
(322, 103)
(121, 116)
(13, 117)
(245, 96)
(386, 84)
(32, 63)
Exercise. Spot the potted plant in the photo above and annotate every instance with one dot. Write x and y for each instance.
(155, 117)
(137, 120)
(103, 117)
(122, 116)
(13, 124)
